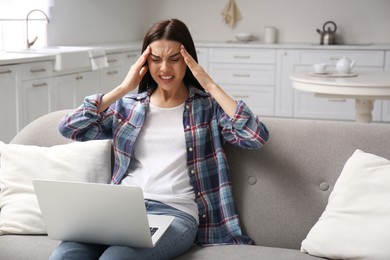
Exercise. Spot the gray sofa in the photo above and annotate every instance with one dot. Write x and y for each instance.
(280, 190)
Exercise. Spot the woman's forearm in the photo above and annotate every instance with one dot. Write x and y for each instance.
(111, 97)
(227, 103)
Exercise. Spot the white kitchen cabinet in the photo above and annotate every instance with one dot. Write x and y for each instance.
(284, 93)
(64, 92)
(386, 103)
(120, 64)
(34, 91)
(203, 57)
(307, 105)
(260, 99)
(246, 74)
(8, 103)
(34, 99)
(69, 91)
(87, 84)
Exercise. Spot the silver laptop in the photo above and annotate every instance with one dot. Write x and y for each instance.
(98, 213)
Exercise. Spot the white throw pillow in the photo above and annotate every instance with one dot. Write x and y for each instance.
(356, 221)
(20, 164)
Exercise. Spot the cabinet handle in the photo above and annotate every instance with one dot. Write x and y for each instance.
(113, 72)
(37, 70)
(241, 75)
(131, 55)
(79, 77)
(112, 60)
(37, 85)
(241, 56)
(5, 71)
(334, 58)
(337, 99)
(241, 96)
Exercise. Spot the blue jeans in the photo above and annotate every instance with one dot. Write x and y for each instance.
(177, 240)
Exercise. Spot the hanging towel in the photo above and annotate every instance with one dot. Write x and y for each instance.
(98, 58)
(231, 14)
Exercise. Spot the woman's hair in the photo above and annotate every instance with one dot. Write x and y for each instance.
(171, 30)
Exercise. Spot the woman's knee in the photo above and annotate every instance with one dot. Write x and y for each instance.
(68, 250)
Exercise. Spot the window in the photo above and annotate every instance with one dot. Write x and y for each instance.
(18, 9)
(13, 26)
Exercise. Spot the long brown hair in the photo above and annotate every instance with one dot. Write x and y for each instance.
(172, 30)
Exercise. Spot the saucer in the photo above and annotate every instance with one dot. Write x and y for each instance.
(332, 74)
(343, 75)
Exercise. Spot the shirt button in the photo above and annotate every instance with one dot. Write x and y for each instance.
(188, 127)
(204, 216)
(187, 106)
(192, 171)
(190, 149)
(120, 120)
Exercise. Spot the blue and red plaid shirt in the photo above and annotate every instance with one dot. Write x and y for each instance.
(206, 128)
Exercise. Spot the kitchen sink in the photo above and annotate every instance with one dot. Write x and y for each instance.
(65, 57)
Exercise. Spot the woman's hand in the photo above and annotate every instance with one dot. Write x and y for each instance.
(199, 73)
(131, 81)
(224, 100)
(136, 72)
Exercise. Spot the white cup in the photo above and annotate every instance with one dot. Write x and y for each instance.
(269, 34)
(319, 68)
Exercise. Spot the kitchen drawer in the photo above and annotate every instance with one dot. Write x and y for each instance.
(242, 55)
(130, 57)
(307, 105)
(114, 59)
(362, 58)
(260, 99)
(252, 74)
(7, 70)
(124, 58)
(37, 70)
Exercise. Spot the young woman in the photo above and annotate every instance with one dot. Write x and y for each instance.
(168, 139)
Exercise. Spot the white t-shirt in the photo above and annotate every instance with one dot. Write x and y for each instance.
(159, 164)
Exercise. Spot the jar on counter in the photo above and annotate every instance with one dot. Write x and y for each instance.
(269, 34)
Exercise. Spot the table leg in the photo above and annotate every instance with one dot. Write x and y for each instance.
(364, 109)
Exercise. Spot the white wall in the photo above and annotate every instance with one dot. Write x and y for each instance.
(100, 21)
(359, 21)
(74, 22)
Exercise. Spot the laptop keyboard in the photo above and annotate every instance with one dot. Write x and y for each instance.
(153, 230)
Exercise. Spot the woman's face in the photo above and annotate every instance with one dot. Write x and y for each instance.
(166, 65)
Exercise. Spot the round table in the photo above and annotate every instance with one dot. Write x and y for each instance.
(365, 88)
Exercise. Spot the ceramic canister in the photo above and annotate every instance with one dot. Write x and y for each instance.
(269, 34)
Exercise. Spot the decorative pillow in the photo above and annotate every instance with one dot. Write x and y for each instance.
(20, 164)
(356, 221)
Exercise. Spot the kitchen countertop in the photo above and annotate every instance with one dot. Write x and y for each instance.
(256, 44)
(8, 58)
(11, 58)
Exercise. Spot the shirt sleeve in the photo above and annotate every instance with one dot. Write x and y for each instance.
(86, 122)
(244, 129)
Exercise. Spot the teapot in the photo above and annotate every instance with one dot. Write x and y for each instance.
(344, 65)
(328, 35)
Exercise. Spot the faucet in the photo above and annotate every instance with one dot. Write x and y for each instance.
(29, 44)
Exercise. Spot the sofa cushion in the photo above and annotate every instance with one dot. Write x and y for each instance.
(20, 164)
(235, 252)
(355, 223)
(32, 247)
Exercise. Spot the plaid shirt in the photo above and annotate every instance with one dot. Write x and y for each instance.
(206, 128)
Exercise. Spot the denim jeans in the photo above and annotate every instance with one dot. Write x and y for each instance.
(177, 240)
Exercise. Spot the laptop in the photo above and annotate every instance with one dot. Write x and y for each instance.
(98, 213)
